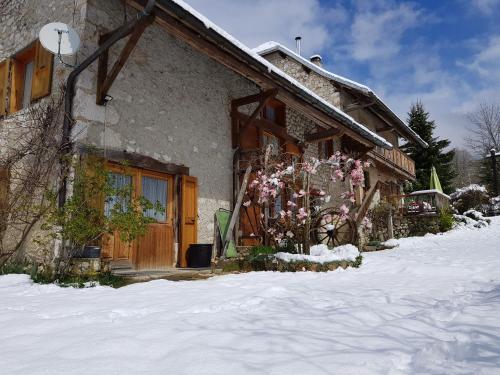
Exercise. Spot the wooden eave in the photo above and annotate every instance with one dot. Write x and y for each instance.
(183, 25)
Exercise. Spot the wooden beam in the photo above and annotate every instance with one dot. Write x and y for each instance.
(103, 86)
(322, 135)
(136, 160)
(263, 95)
(356, 106)
(266, 95)
(268, 126)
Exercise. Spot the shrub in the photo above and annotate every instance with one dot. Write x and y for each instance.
(469, 197)
(446, 220)
(261, 250)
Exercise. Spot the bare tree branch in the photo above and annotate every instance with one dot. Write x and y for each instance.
(485, 129)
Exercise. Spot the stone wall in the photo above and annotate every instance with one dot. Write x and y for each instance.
(403, 226)
(170, 102)
(312, 80)
(20, 23)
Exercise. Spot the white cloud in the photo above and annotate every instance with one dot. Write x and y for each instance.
(377, 32)
(256, 22)
(487, 61)
(372, 35)
(485, 6)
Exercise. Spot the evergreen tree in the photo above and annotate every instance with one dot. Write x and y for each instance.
(435, 154)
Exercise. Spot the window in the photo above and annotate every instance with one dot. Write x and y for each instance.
(155, 191)
(274, 111)
(24, 78)
(325, 149)
(120, 182)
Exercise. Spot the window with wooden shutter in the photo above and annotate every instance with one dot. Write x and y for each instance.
(42, 73)
(25, 77)
(4, 78)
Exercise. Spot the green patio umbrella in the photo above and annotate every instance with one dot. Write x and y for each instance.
(435, 184)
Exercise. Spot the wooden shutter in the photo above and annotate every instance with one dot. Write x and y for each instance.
(189, 216)
(42, 74)
(4, 81)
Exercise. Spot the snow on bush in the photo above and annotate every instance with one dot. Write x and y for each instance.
(391, 243)
(467, 189)
(473, 214)
(472, 219)
(469, 197)
(321, 254)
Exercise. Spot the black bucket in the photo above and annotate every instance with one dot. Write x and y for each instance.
(88, 252)
(199, 255)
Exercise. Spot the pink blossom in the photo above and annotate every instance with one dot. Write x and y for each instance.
(302, 213)
(344, 211)
(357, 176)
(247, 203)
(367, 164)
(291, 204)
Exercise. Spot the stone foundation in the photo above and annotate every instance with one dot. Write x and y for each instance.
(86, 266)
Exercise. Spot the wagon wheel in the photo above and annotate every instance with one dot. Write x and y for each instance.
(333, 230)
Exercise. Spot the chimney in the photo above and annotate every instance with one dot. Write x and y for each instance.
(297, 44)
(316, 60)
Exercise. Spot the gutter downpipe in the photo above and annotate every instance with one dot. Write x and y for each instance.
(117, 35)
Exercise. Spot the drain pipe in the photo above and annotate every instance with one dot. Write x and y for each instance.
(117, 35)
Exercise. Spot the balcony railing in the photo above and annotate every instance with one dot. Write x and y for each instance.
(396, 158)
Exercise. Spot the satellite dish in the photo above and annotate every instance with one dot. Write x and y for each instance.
(59, 38)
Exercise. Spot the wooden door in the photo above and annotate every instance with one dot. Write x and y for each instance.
(189, 216)
(113, 248)
(154, 250)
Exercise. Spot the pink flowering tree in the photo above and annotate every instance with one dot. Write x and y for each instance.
(285, 203)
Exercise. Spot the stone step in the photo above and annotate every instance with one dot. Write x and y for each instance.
(120, 265)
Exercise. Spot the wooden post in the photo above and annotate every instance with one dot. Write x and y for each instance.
(494, 170)
(236, 210)
(390, 227)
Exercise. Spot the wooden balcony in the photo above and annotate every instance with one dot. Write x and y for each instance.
(395, 159)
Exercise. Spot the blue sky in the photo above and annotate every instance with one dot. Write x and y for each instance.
(444, 53)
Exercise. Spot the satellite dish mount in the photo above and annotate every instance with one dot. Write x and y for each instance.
(60, 39)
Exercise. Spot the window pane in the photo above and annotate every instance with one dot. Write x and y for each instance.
(155, 191)
(118, 181)
(28, 78)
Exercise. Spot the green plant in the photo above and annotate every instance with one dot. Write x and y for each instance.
(13, 268)
(82, 221)
(446, 220)
(261, 250)
(105, 278)
(288, 245)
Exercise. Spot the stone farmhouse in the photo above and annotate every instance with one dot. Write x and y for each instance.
(182, 102)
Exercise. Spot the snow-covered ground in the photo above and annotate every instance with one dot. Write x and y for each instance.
(429, 306)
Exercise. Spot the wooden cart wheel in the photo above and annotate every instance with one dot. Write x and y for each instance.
(332, 230)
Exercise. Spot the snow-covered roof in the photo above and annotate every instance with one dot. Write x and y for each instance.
(327, 107)
(272, 46)
(429, 191)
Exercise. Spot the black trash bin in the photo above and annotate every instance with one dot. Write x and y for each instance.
(88, 252)
(199, 255)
